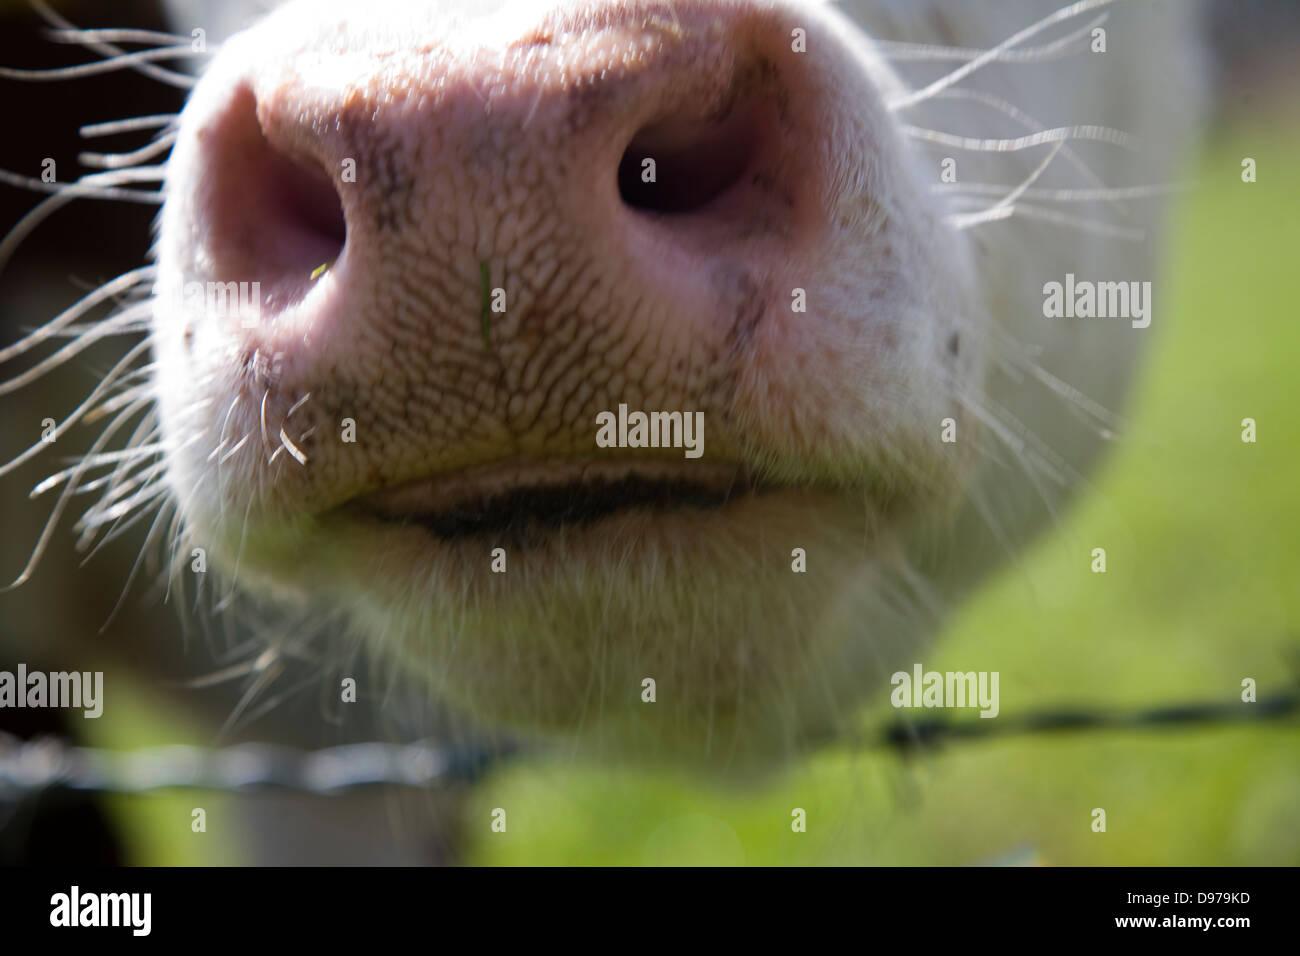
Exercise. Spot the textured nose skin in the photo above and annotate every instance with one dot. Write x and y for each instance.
(640, 146)
(481, 251)
(466, 240)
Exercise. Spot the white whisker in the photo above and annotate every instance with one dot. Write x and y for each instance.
(1100, 134)
(91, 461)
(86, 188)
(87, 37)
(1067, 195)
(96, 518)
(61, 503)
(991, 55)
(1013, 112)
(110, 289)
(233, 450)
(293, 449)
(112, 64)
(900, 51)
(107, 329)
(130, 125)
(17, 461)
(135, 568)
(1056, 218)
(126, 160)
(154, 72)
(1008, 201)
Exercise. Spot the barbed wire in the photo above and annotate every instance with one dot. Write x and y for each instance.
(27, 766)
(927, 734)
(30, 766)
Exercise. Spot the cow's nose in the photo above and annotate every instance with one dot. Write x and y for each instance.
(473, 243)
(660, 143)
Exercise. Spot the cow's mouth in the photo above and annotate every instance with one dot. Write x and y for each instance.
(527, 500)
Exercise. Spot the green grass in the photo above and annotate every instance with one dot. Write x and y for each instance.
(1201, 591)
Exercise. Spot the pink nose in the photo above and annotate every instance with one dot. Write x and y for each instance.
(627, 139)
(476, 240)
(473, 162)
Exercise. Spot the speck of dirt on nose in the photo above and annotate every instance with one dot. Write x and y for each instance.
(954, 344)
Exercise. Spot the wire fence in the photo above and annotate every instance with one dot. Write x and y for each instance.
(27, 766)
(34, 765)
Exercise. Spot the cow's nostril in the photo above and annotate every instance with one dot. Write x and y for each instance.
(682, 165)
(275, 216)
(306, 200)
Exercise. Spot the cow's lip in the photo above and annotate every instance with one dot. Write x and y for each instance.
(537, 497)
